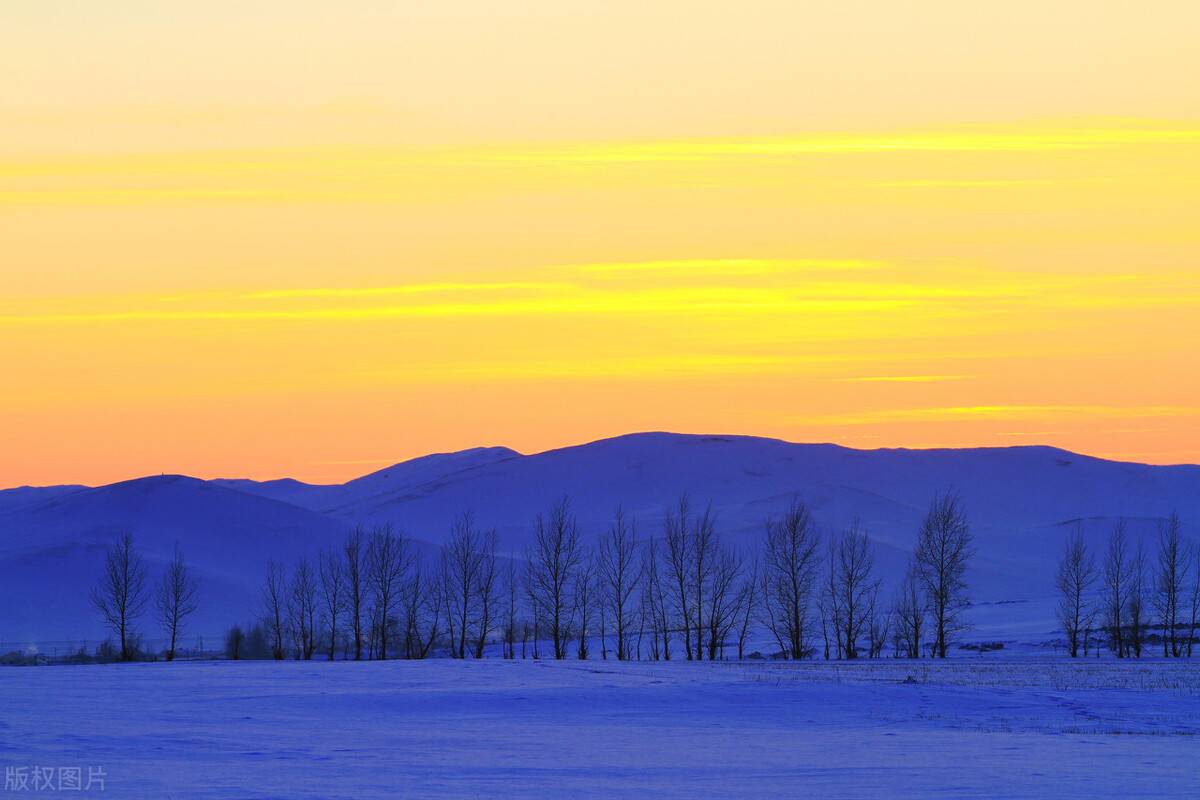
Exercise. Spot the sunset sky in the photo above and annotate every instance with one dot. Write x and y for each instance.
(312, 239)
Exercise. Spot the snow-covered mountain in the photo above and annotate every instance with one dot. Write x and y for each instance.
(1021, 501)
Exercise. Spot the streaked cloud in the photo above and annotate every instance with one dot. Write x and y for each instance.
(998, 412)
(1031, 139)
(901, 378)
(724, 266)
(982, 183)
(356, 292)
(829, 298)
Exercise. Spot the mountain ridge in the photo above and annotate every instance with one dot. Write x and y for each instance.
(1021, 500)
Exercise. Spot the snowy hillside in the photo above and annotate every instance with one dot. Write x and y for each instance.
(1021, 501)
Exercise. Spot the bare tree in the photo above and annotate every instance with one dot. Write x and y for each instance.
(333, 594)
(1115, 588)
(944, 547)
(175, 600)
(120, 596)
(1136, 603)
(656, 603)
(234, 641)
(302, 609)
(512, 591)
(485, 591)
(534, 625)
(1174, 562)
(1194, 605)
(691, 551)
(879, 625)
(829, 607)
(461, 564)
(852, 562)
(1074, 579)
(585, 603)
(790, 561)
(723, 600)
(679, 561)
(421, 606)
(704, 551)
(618, 572)
(274, 598)
(553, 562)
(356, 585)
(908, 610)
(748, 607)
(388, 564)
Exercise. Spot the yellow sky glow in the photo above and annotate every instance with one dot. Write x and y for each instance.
(342, 242)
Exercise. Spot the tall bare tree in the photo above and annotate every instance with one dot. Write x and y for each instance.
(485, 591)
(747, 607)
(585, 604)
(1115, 588)
(704, 550)
(355, 553)
(302, 609)
(512, 592)
(274, 614)
(723, 600)
(854, 586)
(908, 611)
(1074, 579)
(1139, 587)
(461, 564)
(422, 612)
(120, 595)
(944, 547)
(618, 573)
(175, 599)
(1174, 563)
(1194, 604)
(789, 568)
(553, 562)
(829, 607)
(331, 569)
(679, 560)
(656, 602)
(388, 563)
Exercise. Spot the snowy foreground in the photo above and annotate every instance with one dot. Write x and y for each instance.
(974, 727)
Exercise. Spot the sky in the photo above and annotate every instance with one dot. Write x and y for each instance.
(313, 239)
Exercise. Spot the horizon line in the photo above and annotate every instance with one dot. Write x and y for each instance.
(388, 463)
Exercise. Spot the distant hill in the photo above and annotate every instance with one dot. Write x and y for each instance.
(383, 483)
(1021, 500)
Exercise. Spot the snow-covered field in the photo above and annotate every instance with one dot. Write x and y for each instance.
(973, 727)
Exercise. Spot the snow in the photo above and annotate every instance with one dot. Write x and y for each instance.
(1021, 501)
(971, 727)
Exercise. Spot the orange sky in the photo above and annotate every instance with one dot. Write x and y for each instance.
(292, 240)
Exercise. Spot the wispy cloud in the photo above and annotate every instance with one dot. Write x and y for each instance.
(632, 366)
(901, 378)
(461, 287)
(725, 266)
(1034, 139)
(981, 183)
(825, 298)
(999, 412)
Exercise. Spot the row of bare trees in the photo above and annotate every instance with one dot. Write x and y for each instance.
(1130, 593)
(121, 596)
(683, 593)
